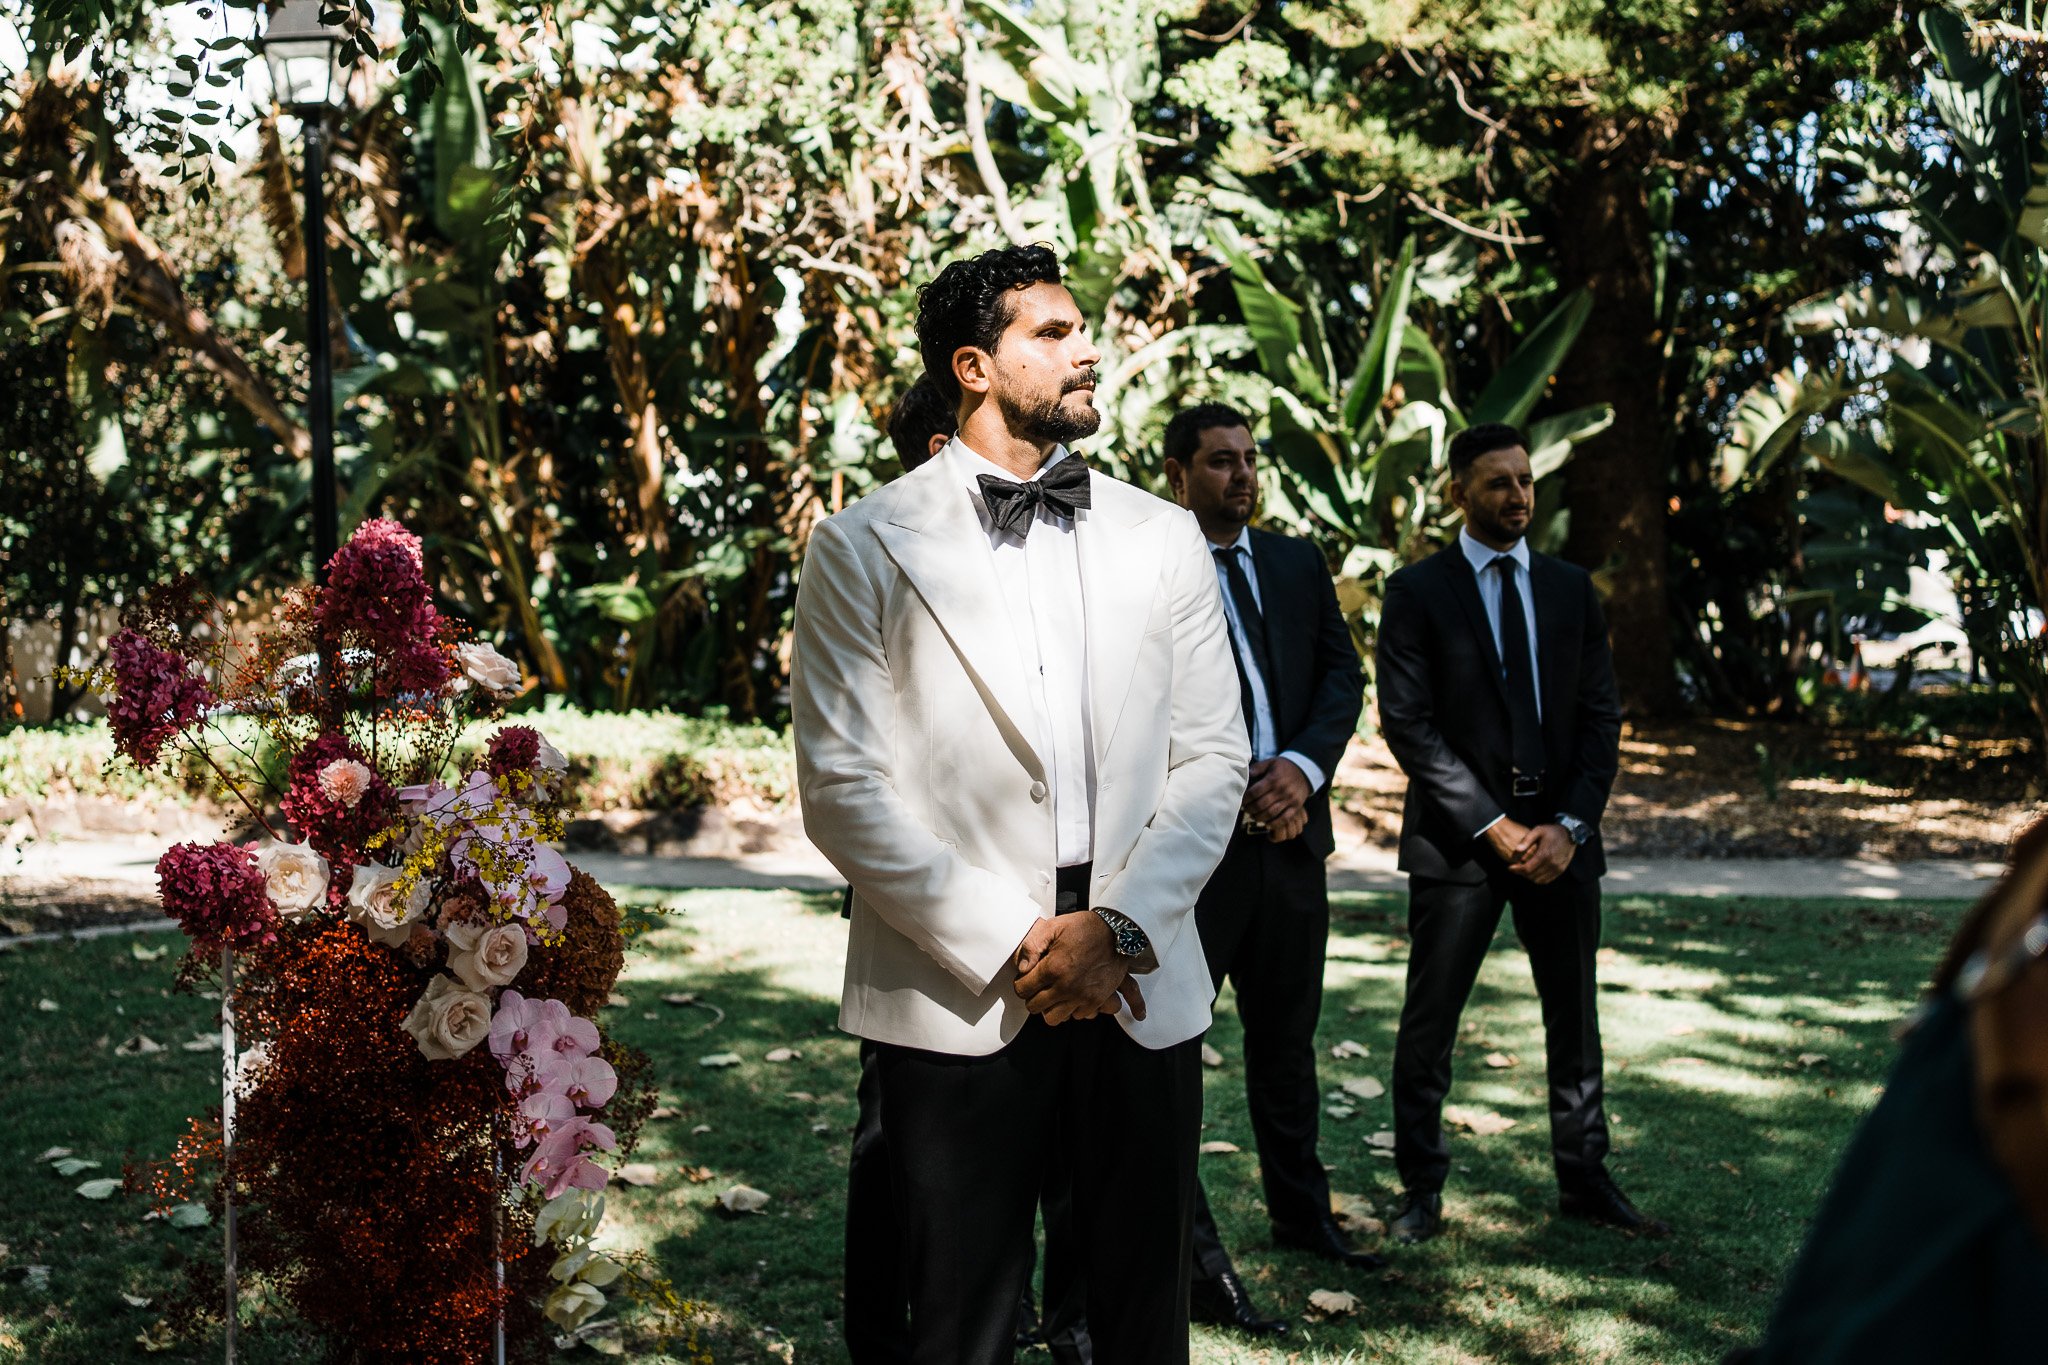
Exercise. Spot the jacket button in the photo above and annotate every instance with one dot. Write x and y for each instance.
(1038, 791)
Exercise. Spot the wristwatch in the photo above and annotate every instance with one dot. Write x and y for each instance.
(1130, 939)
(1577, 828)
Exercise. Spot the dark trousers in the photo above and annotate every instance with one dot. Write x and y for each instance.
(1450, 925)
(969, 1139)
(1264, 918)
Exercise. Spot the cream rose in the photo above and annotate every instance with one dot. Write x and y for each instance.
(373, 903)
(345, 780)
(571, 1304)
(487, 668)
(294, 877)
(449, 1020)
(486, 955)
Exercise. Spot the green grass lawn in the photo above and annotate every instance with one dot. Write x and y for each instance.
(1744, 1040)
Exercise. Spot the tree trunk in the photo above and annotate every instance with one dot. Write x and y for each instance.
(1618, 485)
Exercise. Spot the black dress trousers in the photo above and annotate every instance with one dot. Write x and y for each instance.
(1265, 923)
(1450, 925)
(969, 1143)
(877, 1322)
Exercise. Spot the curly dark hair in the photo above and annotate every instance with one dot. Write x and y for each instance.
(969, 304)
(1469, 444)
(1184, 431)
(921, 413)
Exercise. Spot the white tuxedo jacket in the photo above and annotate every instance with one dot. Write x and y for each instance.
(918, 774)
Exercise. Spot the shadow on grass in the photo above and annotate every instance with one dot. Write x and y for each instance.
(1744, 1040)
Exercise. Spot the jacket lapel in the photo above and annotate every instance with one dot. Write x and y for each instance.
(1551, 599)
(1465, 587)
(1118, 539)
(938, 542)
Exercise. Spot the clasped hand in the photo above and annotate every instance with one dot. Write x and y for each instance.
(1541, 854)
(1277, 798)
(1068, 968)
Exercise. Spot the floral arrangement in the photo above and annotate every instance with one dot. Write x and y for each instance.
(427, 1096)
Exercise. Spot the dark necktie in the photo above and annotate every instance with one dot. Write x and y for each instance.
(1013, 507)
(1523, 719)
(1254, 622)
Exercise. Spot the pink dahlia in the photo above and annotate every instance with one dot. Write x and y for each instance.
(156, 695)
(216, 893)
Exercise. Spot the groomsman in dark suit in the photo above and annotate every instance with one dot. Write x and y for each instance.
(1265, 914)
(1497, 696)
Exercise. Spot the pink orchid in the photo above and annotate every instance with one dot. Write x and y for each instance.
(558, 1161)
(523, 1025)
(539, 1114)
(585, 1081)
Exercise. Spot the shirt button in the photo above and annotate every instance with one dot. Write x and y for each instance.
(1038, 791)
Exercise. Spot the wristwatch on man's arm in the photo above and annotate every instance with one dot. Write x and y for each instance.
(1578, 829)
(1130, 939)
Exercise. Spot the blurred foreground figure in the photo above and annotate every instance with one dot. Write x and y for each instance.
(1929, 1246)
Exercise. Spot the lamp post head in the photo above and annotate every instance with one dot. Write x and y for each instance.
(308, 69)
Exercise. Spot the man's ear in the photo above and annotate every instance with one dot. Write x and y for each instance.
(1176, 479)
(972, 369)
(1456, 493)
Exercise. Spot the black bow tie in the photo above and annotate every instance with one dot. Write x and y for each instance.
(1063, 490)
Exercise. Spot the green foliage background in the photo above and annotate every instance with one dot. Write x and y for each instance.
(623, 294)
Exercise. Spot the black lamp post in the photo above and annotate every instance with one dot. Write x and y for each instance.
(309, 75)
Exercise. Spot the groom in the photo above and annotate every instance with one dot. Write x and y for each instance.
(1018, 738)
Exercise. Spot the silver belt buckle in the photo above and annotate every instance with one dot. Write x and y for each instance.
(1527, 784)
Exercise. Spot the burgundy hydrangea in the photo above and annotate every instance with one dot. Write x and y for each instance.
(514, 749)
(336, 829)
(377, 593)
(156, 695)
(215, 892)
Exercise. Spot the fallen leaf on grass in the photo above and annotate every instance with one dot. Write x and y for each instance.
(142, 954)
(1364, 1088)
(1812, 1059)
(1483, 1122)
(1339, 1111)
(1218, 1148)
(158, 1337)
(1348, 1049)
(700, 1129)
(73, 1165)
(783, 1054)
(617, 1001)
(34, 1278)
(662, 1111)
(640, 1173)
(99, 1189)
(135, 1300)
(697, 1175)
(679, 998)
(141, 1045)
(720, 1059)
(1332, 1303)
(1731, 1168)
(188, 1216)
(1501, 1061)
(53, 1153)
(202, 1042)
(1210, 1056)
(1383, 1141)
(743, 1199)
(47, 1005)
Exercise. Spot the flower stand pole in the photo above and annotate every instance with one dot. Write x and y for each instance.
(227, 1139)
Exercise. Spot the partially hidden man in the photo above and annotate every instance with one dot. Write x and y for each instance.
(1265, 914)
(1017, 737)
(1497, 697)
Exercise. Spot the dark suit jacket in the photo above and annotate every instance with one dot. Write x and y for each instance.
(1317, 688)
(1444, 710)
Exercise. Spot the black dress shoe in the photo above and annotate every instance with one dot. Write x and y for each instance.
(1421, 1217)
(1223, 1302)
(1325, 1239)
(1597, 1199)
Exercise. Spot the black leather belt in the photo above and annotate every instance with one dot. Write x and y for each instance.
(1526, 784)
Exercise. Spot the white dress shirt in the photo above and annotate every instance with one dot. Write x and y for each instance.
(1040, 579)
(1265, 743)
(1481, 557)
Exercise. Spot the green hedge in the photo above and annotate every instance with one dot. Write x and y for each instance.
(644, 759)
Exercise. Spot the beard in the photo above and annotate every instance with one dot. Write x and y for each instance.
(1049, 419)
